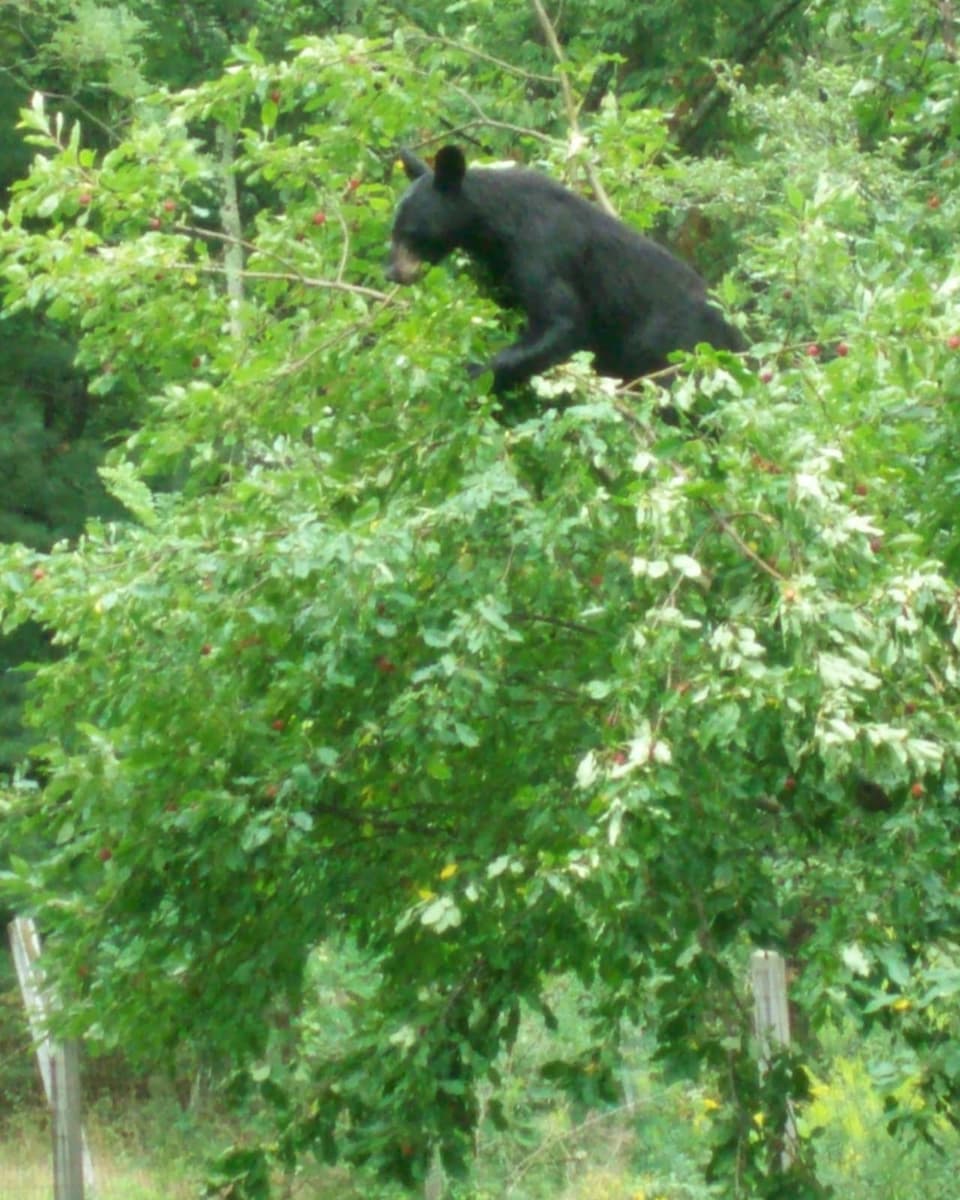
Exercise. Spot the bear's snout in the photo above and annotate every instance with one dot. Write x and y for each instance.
(404, 266)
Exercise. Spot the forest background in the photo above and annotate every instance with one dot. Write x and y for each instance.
(411, 774)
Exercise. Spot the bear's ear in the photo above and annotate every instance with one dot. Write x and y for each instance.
(449, 168)
(413, 166)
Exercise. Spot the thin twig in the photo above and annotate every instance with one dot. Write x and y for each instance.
(492, 123)
(113, 133)
(298, 364)
(559, 622)
(344, 248)
(745, 549)
(569, 103)
(484, 118)
(570, 1135)
(333, 285)
(216, 235)
(506, 67)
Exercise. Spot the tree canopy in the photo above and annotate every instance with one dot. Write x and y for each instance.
(344, 649)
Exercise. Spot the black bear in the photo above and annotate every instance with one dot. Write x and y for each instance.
(585, 280)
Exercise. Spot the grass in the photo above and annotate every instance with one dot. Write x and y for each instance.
(149, 1152)
(123, 1170)
(650, 1148)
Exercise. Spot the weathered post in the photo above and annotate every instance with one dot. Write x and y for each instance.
(67, 1125)
(59, 1070)
(771, 1021)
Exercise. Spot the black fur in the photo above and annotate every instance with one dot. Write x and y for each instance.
(585, 280)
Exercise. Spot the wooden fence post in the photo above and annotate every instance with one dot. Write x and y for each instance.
(59, 1070)
(771, 1020)
(67, 1126)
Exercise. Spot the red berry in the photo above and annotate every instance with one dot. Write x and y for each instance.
(813, 350)
(319, 218)
(271, 791)
(953, 341)
(279, 724)
(596, 581)
(766, 376)
(206, 648)
(916, 790)
(843, 349)
(620, 757)
(169, 205)
(789, 784)
(910, 708)
(39, 573)
(934, 201)
(353, 183)
(275, 96)
(861, 489)
(385, 666)
(155, 223)
(876, 545)
(84, 198)
(104, 854)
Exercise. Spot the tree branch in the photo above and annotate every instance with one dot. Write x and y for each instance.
(573, 120)
(714, 97)
(558, 622)
(731, 533)
(334, 285)
(501, 64)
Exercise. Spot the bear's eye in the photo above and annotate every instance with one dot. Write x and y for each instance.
(424, 244)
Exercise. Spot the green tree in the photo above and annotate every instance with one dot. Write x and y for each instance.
(494, 693)
(96, 62)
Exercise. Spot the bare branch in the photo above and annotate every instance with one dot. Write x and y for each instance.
(506, 67)
(570, 104)
(334, 285)
(298, 364)
(558, 622)
(731, 533)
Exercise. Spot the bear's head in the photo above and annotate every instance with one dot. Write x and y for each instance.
(433, 216)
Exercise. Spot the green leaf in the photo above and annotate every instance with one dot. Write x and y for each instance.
(131, 491)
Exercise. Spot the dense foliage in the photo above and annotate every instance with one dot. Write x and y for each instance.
(499, 694)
